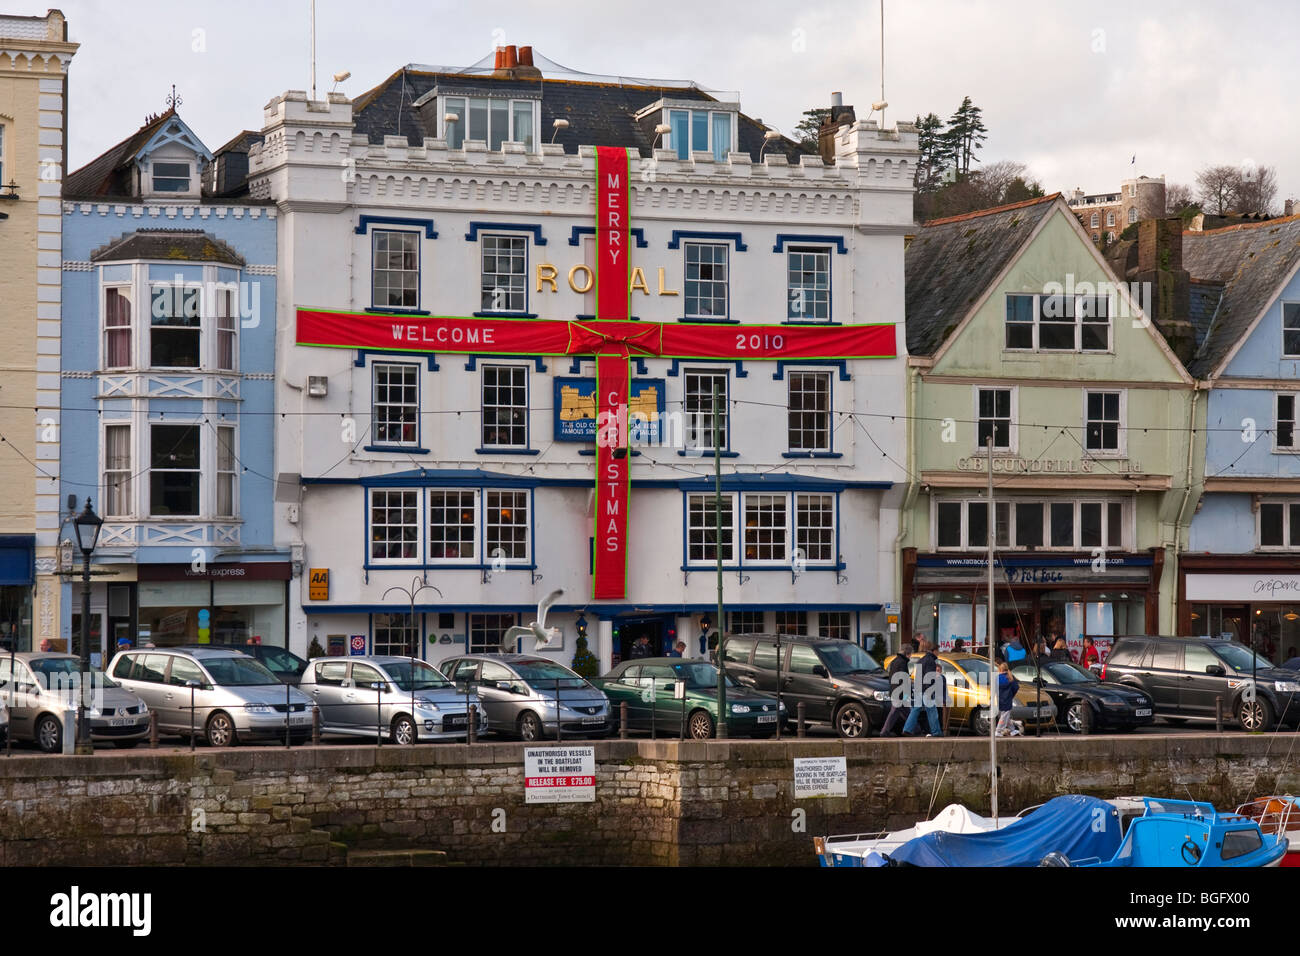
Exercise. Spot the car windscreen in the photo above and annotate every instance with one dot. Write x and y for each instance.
(1238, 657)
(1064, 673)
(278, 659)
(699, 675)
(542, 675)
(425, 678)
(845, 658)
(238, 672)
(65, 672)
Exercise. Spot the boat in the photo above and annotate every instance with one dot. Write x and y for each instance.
(1186, 833)
(873, 849)
(1278, 815)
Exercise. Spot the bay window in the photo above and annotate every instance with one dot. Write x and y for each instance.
(175, 334)
(175, 477)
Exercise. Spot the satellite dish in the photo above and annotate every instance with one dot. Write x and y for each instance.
(546, 637)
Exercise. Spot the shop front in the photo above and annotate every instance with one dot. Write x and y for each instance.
(17, 575)
(1247, 598)
(945, 597)
(244, 603)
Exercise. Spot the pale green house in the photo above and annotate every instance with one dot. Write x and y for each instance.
(1020, 333)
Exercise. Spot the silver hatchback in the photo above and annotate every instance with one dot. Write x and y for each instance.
(367, 695)
(235, 697)
(41, 687)
(530, 697)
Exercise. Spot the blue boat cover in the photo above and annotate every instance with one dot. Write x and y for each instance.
(1076, 825)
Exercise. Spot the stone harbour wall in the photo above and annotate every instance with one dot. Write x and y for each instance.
(657, 802)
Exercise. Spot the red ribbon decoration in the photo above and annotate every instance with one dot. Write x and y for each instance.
(612, 338)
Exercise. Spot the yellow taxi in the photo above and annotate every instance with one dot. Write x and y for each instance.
(967, 676)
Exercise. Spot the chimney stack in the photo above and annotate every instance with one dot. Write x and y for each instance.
(840, 115)
(1160, 270)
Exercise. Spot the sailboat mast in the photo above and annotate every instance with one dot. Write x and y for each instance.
(989, 623)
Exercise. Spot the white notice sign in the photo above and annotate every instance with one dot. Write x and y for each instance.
(820, 777)
(559, 775)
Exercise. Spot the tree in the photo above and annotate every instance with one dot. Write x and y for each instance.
(1216, 187)
(1178, 197)
(966, 134)
(585, 663)
(1256, 190)
(934, 158)
(809, 128)
(315, 650)
(997, 184)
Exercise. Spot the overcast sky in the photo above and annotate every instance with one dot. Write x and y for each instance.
(1072, 89)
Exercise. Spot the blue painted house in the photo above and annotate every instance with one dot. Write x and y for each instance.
(1241, 575)
(169, 273)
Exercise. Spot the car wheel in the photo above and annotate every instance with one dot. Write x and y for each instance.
(125, 744)
(851, 721)
(700, 725)
(1254, 716)
(1079, 717)
(49, 734)
(220, 731)
(530, 726)
(403, 733)
(979, 726)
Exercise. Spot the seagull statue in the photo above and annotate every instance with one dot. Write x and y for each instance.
(546, 636)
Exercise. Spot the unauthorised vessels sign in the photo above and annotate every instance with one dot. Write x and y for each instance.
(559, 775)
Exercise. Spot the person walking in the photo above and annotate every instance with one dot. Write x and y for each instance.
(900, 690)
(1089, 655)
(1007, 687)
(641, 648)
(1059, 651)
(930, 697)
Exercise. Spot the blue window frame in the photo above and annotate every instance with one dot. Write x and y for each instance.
(395, 269)
(504, 276)
(464, 526)
(808, 284)
(707, 281)
(777, 530)
(504, 408)
(395, 406)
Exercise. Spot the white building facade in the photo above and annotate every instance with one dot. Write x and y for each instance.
(474, 472)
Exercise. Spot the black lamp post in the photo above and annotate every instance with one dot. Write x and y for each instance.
(86, 525)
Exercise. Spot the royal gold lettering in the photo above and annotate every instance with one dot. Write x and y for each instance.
(662, 289)
(591, 279)
(546, 273)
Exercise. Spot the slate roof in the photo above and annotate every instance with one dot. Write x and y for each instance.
(599, 113)
(108, 173)
(1204, 302)
(190, 245)
(951, 263)
(1252, 261)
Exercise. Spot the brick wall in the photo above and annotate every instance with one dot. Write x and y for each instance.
(658, 802)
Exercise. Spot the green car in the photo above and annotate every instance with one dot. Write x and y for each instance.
(648, 687)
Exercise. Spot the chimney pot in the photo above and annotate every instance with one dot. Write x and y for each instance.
(837, 100)
(525, 56)
(512, 58)
(500, 61)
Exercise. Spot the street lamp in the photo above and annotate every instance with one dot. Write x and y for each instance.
(86, 525)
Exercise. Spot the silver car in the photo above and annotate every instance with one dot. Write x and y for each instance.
(235, 697)
(520, 691)
(409, 707)
(40, 687)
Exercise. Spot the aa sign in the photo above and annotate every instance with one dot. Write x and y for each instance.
(318, 585)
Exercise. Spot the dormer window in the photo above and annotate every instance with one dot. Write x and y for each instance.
(171, 177)
(701, 131)
(492, 120)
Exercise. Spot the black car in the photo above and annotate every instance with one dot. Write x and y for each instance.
(1085, 704)
(837, 682)
(285, 665)
(1185, 675)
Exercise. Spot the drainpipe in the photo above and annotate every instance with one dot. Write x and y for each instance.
(1182, 511)
(909, 499)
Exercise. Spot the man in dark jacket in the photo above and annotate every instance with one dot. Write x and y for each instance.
(900, 691)
(931, 695)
